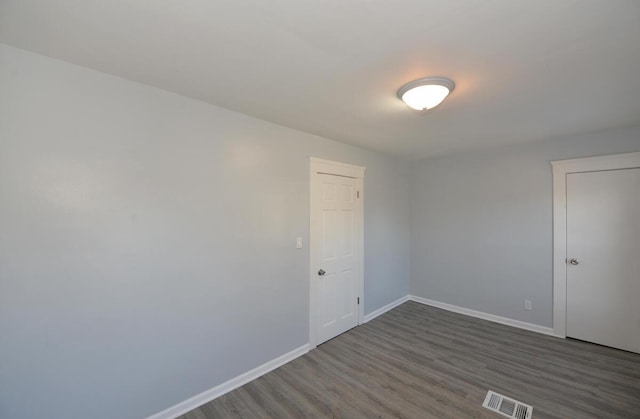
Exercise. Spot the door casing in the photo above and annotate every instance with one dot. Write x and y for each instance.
(560, 170)
(340, 169)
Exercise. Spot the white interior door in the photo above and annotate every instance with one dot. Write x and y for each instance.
(603, 256)
(336, 255)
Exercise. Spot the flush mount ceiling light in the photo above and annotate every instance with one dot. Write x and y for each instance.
(426, 93)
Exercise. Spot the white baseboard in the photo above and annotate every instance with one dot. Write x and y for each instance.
(486, 316)
(217, 391)
(386, 308)
(211, 394)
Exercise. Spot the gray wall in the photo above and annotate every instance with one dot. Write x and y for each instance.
(147, 245)
(481, 224)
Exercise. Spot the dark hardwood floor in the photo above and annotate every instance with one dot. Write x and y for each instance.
(418, 361)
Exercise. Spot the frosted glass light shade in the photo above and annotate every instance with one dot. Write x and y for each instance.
(426, 93)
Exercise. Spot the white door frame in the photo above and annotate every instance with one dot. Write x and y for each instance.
(341, 169)
(561, 168)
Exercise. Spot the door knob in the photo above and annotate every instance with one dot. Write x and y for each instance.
(574, 261)
(321, 272)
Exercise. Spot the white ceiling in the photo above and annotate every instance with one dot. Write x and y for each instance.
(524, 70)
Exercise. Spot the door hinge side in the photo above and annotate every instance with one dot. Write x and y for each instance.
(358, 300)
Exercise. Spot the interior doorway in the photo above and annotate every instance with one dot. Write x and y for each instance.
(336, 249)
(597, 250)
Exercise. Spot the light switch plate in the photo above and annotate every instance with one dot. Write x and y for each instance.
(298, 242)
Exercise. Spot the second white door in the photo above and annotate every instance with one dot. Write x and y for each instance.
(603, 256)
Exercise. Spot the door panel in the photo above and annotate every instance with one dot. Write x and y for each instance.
(338, 286)
(603, 234)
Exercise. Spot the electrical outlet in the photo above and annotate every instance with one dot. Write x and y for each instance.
(528, 305)
(298, 242)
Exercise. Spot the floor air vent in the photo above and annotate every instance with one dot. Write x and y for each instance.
(506, 406)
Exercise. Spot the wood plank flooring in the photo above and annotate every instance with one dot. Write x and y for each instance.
(418, 361)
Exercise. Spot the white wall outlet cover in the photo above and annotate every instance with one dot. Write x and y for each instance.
(298, 242)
